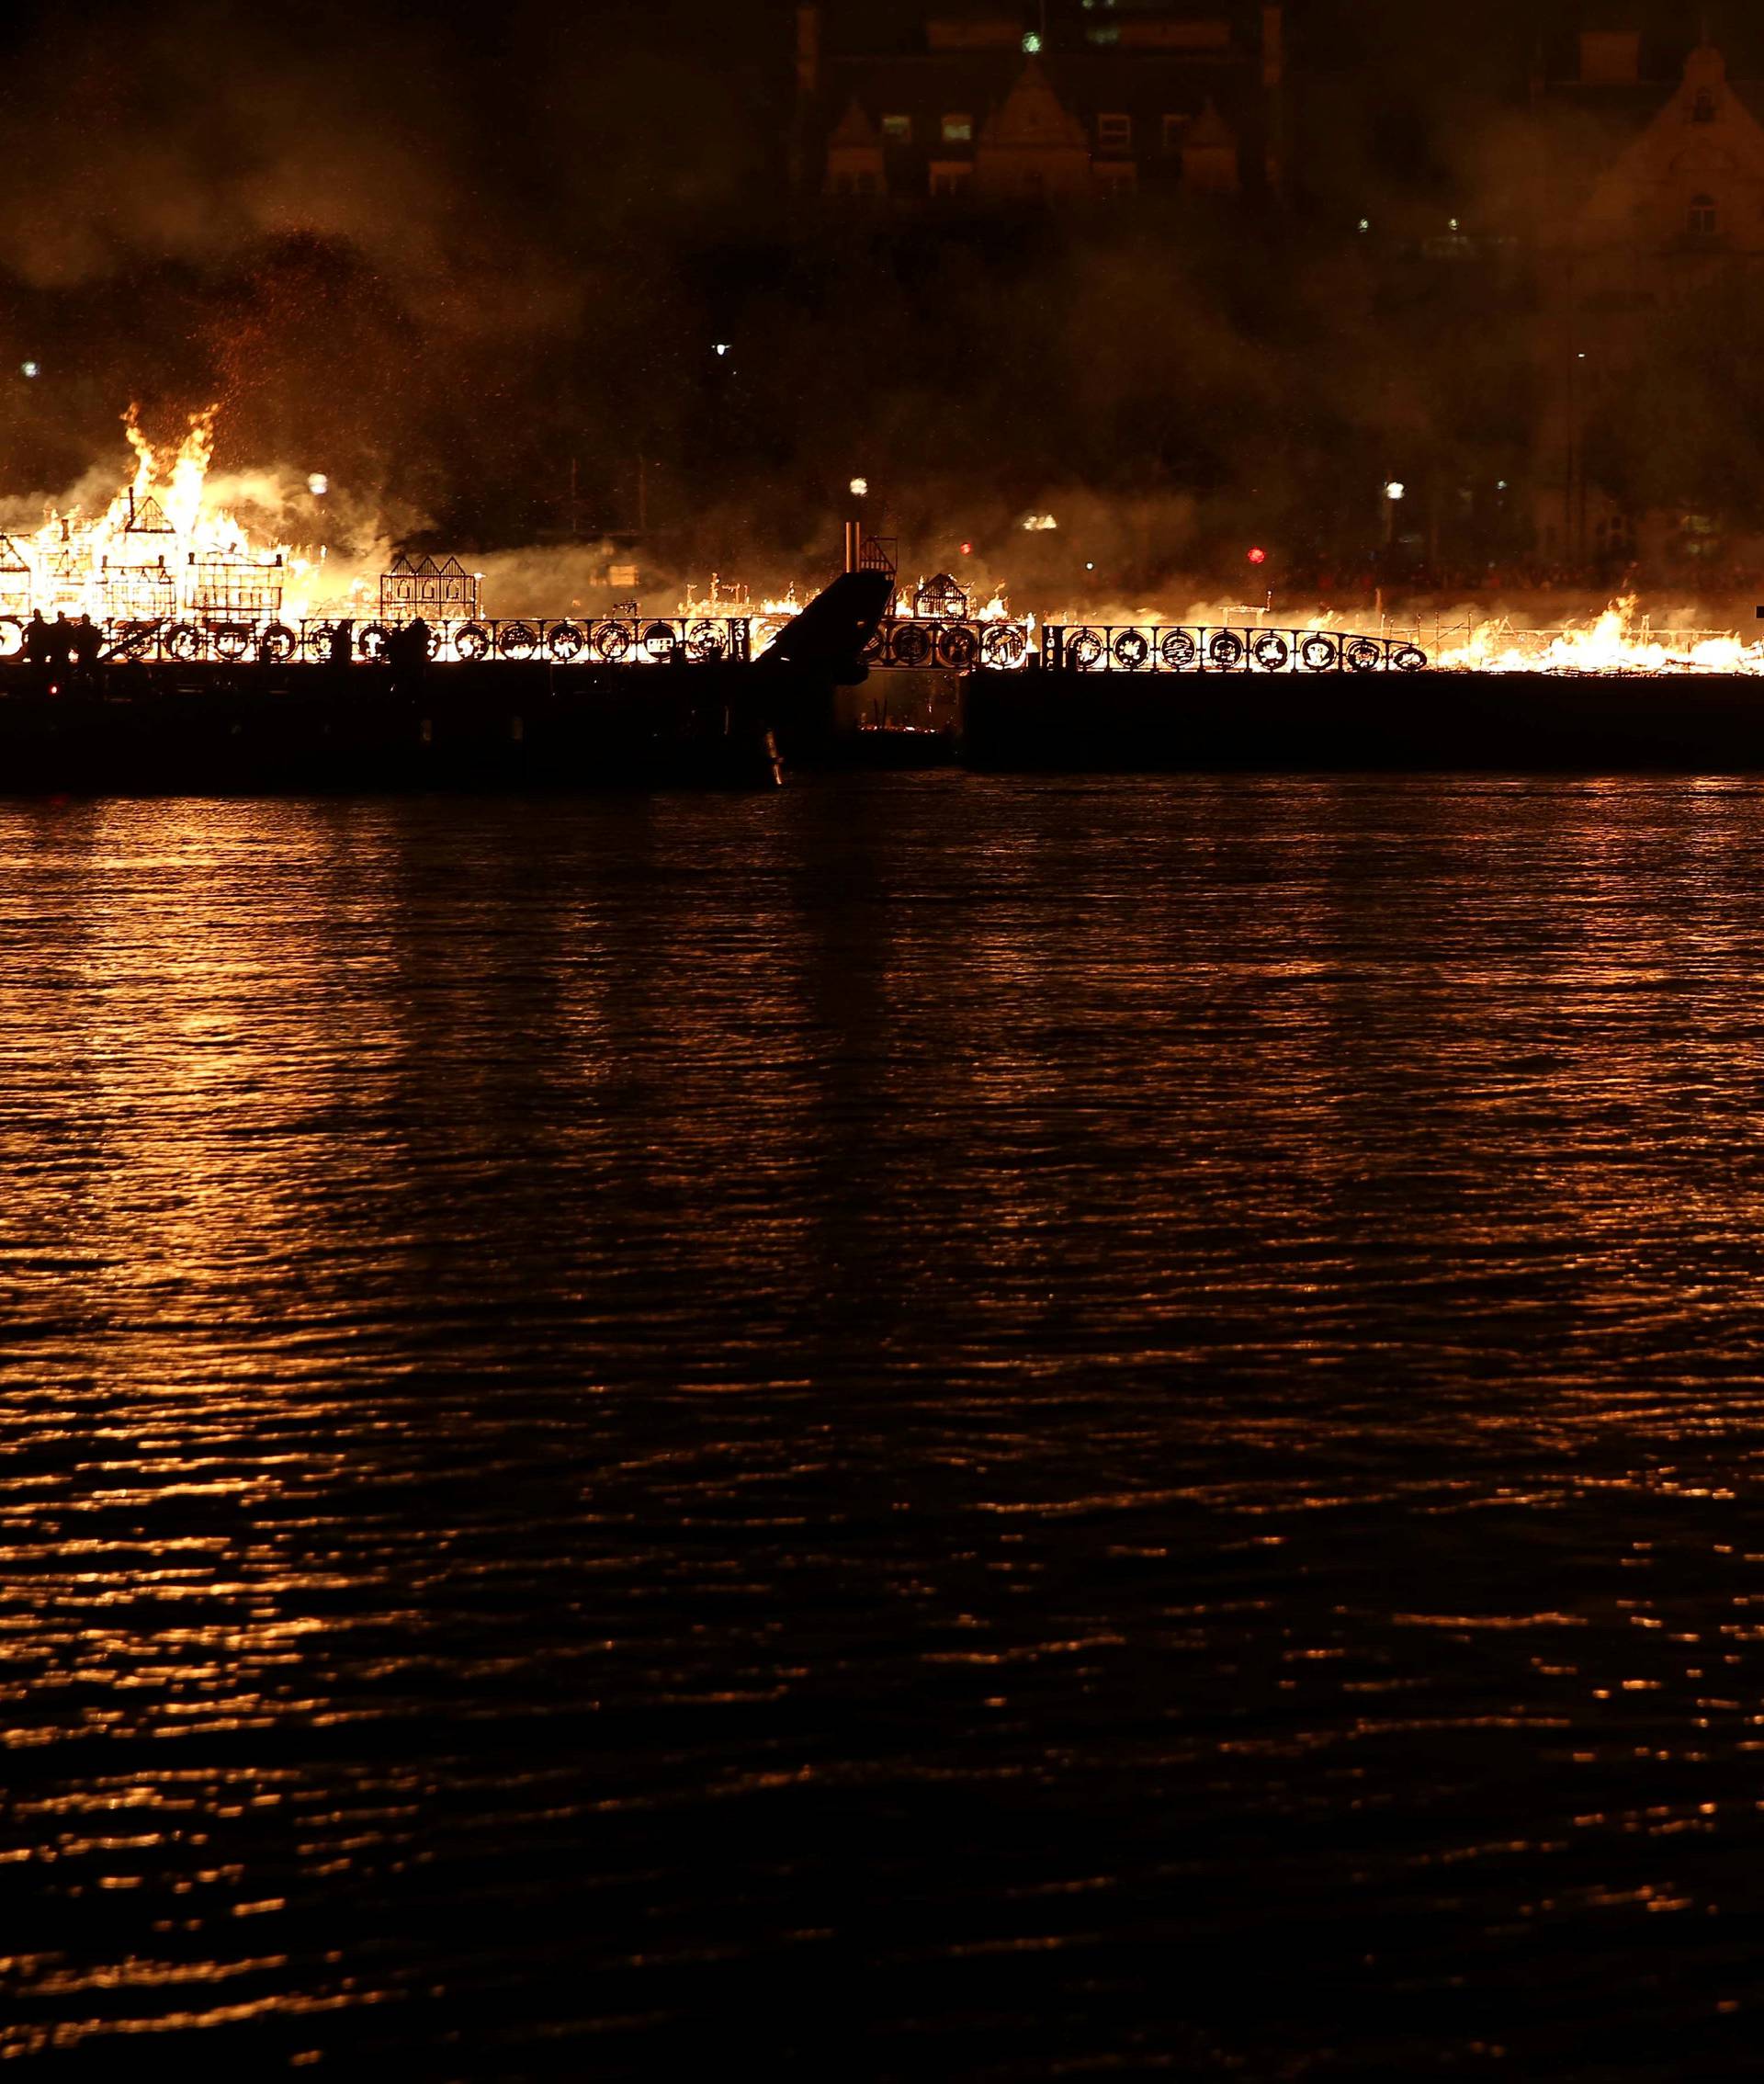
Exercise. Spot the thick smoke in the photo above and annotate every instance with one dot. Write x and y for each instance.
(473, 265)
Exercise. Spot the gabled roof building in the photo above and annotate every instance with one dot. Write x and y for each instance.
(1648, 185)
(1062, 102)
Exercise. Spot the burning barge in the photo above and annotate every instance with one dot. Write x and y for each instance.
(380, 712)
(159, 646)
(635, 700)
(1150, 699)
(224, 664)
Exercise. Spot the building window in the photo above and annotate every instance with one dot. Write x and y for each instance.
(1702, 110)
(1175, 130)
(958, 130)
(1119, 178)
(950, 179)
(1700, 220)
(1115, 133)
(896, 130)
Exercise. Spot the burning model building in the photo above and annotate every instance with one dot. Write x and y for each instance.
(162, 550)
(439, 592)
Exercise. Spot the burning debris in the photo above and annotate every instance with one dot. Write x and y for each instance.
(1619, 641)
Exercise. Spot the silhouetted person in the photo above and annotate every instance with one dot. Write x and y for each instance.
(342, 642)
(38, 641)
(61, 640)
(408, 648)
(87, 640)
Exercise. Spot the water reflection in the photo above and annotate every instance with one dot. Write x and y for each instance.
(926, 1422)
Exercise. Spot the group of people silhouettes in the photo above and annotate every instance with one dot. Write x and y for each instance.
(62, 647)
(405, 648)
(67, 649)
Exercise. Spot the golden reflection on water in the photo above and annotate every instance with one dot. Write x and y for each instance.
(901, 1376)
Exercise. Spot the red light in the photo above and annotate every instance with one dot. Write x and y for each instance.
(968, 550)
(1258, 555)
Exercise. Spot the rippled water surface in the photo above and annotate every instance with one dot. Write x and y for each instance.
(930, 1427)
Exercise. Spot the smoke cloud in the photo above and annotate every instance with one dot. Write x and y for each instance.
(473, 265)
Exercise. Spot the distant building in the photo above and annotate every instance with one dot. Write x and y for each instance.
(1645, 187)
(1063, 102)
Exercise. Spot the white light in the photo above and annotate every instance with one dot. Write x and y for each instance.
(1039, 524)
(31, 368)
(859, 487)
(1395, 489)
(721, 347)
(1090, 568)
(1500, 484)
(1365, 224)
(1031, 43)
(318, 484)
(1452, 223)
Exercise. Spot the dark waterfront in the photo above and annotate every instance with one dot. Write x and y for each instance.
(918, 1428)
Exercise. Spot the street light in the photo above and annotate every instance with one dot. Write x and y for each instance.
(860, 486)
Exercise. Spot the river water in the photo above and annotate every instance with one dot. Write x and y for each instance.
(916, 1427)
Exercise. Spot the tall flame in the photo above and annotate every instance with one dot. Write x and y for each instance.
(162, 548)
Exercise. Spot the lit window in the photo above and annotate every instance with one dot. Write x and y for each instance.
(958, 130)
(1115, 133)
(896, 130)
(1701, 217)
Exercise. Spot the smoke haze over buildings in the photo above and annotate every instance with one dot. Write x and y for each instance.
(474, 265)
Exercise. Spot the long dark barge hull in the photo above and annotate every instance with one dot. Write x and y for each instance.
(164, 731)
(1345, 722)
(134, 726)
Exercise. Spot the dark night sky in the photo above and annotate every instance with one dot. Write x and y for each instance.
(185, 129)
(459, 129)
